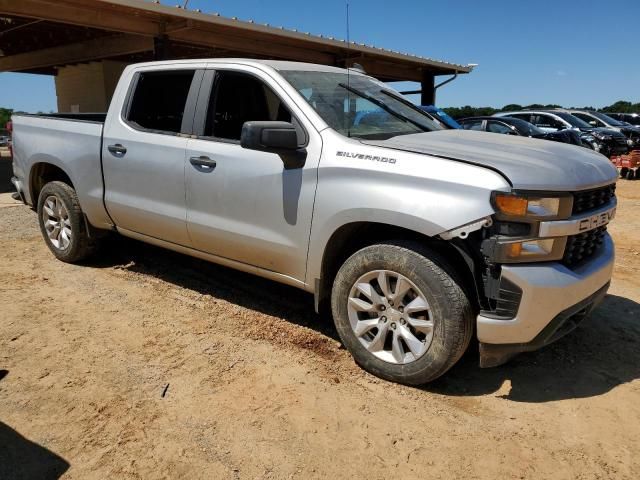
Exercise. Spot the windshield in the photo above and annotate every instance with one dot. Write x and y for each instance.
(359, 106)
(607, 119)
(526, 128)
(574, 121)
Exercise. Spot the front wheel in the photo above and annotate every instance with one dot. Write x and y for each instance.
(62, 223)
(402, 312)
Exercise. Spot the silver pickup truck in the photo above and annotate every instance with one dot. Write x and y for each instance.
(416, 237)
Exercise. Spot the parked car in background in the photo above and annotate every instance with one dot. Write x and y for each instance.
(515, 126)
(608, 142)
(441, 115)
(601, 120)
(630, 118)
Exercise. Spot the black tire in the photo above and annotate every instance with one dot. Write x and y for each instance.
(631, 174)
(438, 282)
(81, 244)
(623, 172)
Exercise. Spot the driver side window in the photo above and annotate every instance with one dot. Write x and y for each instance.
(547, 121)
(594, 122)
(237, 98)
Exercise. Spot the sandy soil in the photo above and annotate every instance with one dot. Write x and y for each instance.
(148, 364)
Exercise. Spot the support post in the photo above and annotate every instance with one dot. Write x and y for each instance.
(427, 84)
(161, 48)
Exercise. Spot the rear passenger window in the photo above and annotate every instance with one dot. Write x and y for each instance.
(522, 116)
(238, 98)
(497, 127)
(547, 121)
(159, 100)
(472, 125)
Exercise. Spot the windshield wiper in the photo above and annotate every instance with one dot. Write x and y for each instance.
(384, 106)
(406, 102)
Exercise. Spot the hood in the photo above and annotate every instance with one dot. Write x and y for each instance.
(603, 130)
(527, 163)
(630, 131)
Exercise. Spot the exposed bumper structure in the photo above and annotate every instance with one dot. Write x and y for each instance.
(554, 299)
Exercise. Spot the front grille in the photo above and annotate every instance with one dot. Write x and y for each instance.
(583, 246)
(592, 199)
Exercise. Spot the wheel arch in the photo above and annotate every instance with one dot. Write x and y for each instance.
(43, 172)
(353, 236)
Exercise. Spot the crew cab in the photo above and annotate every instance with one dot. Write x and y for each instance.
(412, 237)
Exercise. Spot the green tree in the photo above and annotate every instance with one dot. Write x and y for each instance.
(512, 107)
(5, 115)
(622, 106)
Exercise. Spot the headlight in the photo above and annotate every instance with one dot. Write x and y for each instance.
(545, 249)
(531, 206)
(531, 248)
(601, 136)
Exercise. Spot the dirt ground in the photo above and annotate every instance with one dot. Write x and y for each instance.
(148, 364)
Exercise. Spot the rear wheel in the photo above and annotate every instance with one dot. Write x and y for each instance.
(62, 223)
(401, 312)
(631, 174)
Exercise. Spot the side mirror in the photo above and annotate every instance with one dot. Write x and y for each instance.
(276, 137)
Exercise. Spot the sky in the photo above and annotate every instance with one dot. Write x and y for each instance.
(570, 52)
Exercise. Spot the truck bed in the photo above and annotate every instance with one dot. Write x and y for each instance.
(69, 141)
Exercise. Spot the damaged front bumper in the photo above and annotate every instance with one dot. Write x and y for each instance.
(554, 300)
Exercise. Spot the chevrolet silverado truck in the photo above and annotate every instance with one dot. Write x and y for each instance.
(414, 238)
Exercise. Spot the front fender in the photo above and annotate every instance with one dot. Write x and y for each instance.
(416, 192)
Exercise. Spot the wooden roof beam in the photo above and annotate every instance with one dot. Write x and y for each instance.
(251, 46)
(96, 49)
(85, 16)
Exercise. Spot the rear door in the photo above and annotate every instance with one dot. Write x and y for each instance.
(244, 205)
(144, 150)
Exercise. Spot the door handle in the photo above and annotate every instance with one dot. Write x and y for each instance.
(117, 149)
(202, 161)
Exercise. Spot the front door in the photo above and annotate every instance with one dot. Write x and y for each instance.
(242, 204)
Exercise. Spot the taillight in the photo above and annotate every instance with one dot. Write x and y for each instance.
(9, 126)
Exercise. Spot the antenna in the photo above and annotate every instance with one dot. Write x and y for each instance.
(348, 74)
